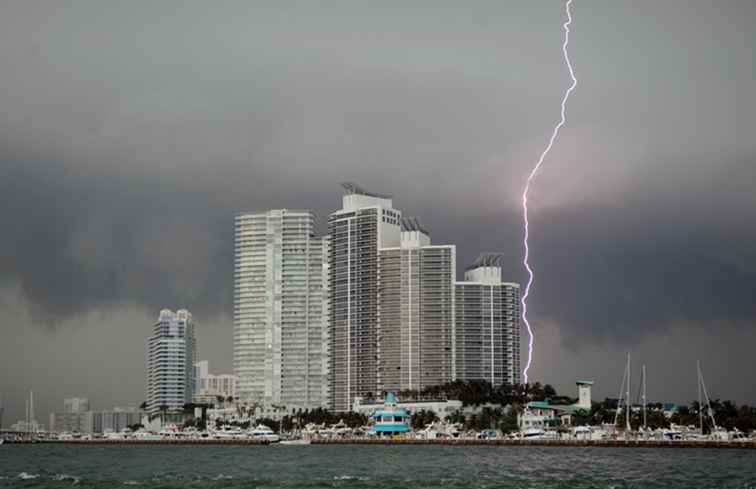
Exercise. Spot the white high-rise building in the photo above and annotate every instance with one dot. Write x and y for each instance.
(366, 223)
(487, 324)
(279, 348)
(416, 311)
(171, 354)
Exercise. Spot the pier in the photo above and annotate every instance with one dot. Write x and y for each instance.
(419, 441)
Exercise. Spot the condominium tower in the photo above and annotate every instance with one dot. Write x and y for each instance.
(487, 323)
(399, 320)
(366, 223)
(416, 311)
(279, 345)
(171, 353)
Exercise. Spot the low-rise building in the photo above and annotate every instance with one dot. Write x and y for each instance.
(542, 414)
(441, 407)
(209, 388)
(390, 419)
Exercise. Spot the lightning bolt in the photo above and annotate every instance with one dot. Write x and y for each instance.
(531, 177)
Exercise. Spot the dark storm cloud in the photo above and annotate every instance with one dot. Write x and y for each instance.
(131, 133)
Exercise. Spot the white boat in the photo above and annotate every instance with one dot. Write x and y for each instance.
(262, 432)
(539, 434)
(296, 441)
(228, 433)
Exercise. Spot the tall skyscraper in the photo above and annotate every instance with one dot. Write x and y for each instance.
(366, 222)
(279, 347)
(416, 311)
(171, 354)
(487, 314)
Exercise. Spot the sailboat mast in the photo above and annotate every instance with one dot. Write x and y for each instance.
(700, 406)
(627, 396)
(643, 372)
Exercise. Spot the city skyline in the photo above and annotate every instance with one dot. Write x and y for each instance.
(123, 164)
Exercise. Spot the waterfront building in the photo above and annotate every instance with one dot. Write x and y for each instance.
(75, 405)
(416, 320)
(390, 419)
(171, 354)
(366, 223)
(209, 387)
(442, 407)
(487, 324)
(538, 415)
(278, 308)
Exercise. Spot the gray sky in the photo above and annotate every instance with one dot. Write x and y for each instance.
(131, 132)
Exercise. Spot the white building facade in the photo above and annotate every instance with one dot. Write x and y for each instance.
(416, 311)
(366, 223)
(487, 329)
(279, 295)
(171, 354)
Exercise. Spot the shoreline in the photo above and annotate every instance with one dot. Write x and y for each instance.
(446, 442)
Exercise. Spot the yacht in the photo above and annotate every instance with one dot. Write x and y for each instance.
(262, 432)
(539, 434)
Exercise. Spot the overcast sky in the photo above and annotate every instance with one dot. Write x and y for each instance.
(130, 132)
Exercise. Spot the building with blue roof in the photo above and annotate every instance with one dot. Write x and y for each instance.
(541, 414)
(390, 419)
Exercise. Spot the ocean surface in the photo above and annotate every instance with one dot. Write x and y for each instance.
(349, 466)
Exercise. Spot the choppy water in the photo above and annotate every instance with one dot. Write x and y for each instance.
(372, 467)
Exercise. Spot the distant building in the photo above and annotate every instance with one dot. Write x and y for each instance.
(487, 312)
(209, 387)
(279, 302)
(68, 422)
(118, 419)
(25, 426)
(171, 354)
(416, 311)
(92, 422)
(75, 405)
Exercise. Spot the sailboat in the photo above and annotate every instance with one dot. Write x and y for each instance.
(624, 395)
(717, 433)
